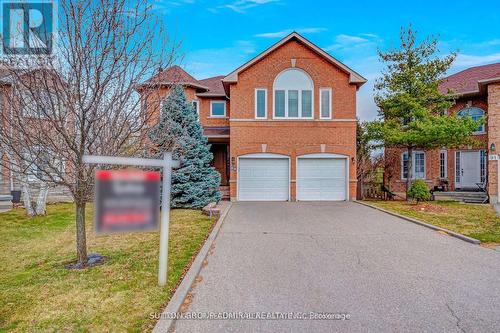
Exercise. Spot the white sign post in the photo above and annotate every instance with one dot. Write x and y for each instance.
(167, 164)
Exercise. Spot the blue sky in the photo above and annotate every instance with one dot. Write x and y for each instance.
(219, 35)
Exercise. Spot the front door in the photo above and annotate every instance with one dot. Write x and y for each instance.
(220, 162)
(470, 164)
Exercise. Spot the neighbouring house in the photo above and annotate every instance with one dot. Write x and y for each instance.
(11, 177)
(282, 126)
(467, 168)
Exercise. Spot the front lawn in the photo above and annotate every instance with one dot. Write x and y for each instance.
(38, 294)
(477, 221)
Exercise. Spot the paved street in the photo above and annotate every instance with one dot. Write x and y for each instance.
(387, 274)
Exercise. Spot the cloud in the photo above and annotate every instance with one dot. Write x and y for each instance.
(369, 35)
(348, 39)
(468, 60)
(240, 6)
(347, 42)
(283, 33)
(165, 6)
(219, 61)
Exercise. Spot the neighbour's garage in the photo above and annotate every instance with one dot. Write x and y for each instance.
(322, 177)
(263, 177)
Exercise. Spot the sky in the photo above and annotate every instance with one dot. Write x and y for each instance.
(220, 35)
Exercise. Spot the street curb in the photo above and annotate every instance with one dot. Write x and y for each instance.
(430, 226)
(164, 324)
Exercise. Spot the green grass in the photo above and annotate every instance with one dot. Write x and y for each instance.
(477, 221)
(38, 294)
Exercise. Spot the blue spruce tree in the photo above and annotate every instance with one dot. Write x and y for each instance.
(195, 183)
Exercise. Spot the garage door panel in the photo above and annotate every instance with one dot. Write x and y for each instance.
(263, 179)
(321, 179)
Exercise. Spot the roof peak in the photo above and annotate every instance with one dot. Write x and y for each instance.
(354, 77)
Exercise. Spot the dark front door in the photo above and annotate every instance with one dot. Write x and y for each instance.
(220, 162)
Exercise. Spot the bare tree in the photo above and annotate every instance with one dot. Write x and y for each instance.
(82, 99)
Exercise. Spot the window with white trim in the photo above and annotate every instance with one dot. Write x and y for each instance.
(325, 103)
(38, 103)
(218, 109)
(443, 164)
(458, 167)
(418, 165)
(196, 106)
(476, 114)
(42, 164)
(261, 103)
(293, 95)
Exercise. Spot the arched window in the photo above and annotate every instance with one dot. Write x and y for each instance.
(293, 94)
(476, 114)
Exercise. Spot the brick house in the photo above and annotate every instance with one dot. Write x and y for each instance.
(468, 168)
(11, 178)
(282, 127)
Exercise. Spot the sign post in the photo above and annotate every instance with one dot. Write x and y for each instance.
(166, 164)
(165, 219)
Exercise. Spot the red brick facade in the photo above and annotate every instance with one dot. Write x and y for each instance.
(486, 99)
(288, 137)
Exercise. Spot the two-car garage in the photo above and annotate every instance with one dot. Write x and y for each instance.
(266, 177)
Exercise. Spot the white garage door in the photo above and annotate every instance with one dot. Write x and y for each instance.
(321, 179)
(263, 179)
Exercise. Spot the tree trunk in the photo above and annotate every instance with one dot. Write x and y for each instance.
(81, 240)
(410, 171)
(41, 201)
(27, 200)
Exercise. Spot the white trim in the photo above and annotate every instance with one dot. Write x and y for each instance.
(330, 107)
(413, 164)
(483, 126)
(326, 156)
(257, 156)
(264, 155)
(323, 155)
(353, 76)
(265, 103)
(299, 97)
(445, 163)
(217, 116)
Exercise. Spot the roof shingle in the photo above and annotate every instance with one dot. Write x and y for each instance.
(466, 81)
(214, 85)
(173, 75)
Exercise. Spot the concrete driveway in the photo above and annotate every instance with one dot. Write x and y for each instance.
(387, 274)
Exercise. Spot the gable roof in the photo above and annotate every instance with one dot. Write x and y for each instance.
(354, 77)
(471, 80)
(175, 75)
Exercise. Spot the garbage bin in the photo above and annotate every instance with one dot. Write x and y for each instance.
(16, 196)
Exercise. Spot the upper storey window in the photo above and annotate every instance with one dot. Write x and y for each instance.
(218, 109)
(293, 97)
(476, 114)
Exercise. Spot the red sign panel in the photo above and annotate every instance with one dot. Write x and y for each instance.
(126, 200)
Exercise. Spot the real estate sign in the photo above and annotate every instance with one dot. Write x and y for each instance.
(126, 200)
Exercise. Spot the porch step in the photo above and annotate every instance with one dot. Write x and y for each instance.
(469, 197)
(224, 191)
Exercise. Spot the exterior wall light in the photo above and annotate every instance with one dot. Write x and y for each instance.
(493, 147)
